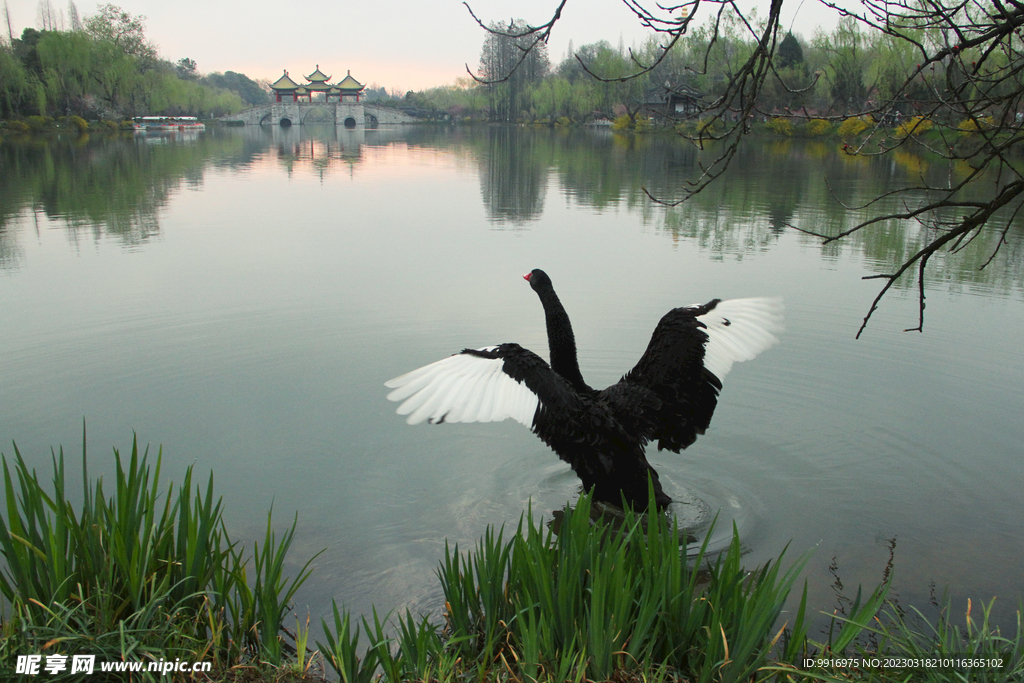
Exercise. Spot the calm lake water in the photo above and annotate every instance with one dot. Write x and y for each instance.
(240, 297)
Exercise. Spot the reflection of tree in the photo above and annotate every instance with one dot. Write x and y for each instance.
(513, 174)
(773, 184)
(10, 250)
(599, 169)
(105, 186)
(769, 185)
(102, 185)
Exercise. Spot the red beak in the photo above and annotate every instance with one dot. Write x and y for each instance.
(527, 276)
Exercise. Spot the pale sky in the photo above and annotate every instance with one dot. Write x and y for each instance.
(401, 45)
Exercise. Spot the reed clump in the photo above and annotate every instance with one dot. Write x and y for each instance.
(142, 573)
(593, 602)
(621, 601)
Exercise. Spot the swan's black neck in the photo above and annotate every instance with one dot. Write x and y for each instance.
(561, 342)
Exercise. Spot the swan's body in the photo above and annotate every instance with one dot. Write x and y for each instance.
(668, 397)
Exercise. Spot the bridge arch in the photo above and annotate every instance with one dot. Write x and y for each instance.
(319, 115)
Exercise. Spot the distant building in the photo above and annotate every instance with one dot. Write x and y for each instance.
(287, 90)
(680, 101)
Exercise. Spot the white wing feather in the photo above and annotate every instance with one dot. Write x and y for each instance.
(738, 330)
(463, 388)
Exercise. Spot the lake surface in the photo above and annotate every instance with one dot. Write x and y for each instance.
(240, 297)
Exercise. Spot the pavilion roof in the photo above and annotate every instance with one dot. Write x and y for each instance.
(349, 83)
(317, 83)
(318, 76)
(284, 83)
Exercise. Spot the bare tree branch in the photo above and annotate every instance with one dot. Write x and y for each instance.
(536, 35)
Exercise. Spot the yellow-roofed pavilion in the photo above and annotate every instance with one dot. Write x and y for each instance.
(287, 90)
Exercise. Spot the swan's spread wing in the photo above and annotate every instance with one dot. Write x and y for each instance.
(738, 330)
(479, 385)
(690, 352)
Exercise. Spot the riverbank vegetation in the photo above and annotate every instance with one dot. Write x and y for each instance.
(829, 76)
(146, 572)
(102, 67)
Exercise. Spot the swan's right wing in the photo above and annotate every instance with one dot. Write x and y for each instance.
(481, 385)
(738, 330)
(690, 353)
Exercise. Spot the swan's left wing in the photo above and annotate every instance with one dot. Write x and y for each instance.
(481, 385)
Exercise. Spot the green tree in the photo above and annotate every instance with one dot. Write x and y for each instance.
(25, 49)
(66, 62)
(117, 78)
(16, 89)
(465, 98)
(107, 68)
(510, 65)
(790, 88)
(847, 63)
(186, 69)
(589, 73)
(603, 63)
(893, 62)
(125, 31)
(789, 53)
(123, 55)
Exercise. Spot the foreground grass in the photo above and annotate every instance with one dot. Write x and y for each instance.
(150, 574)
(145, 574)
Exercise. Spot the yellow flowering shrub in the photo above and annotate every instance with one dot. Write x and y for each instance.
(914, 126)
(818, 127)
(780, 126)
(622, 123)
(974, 125)
(852, 127)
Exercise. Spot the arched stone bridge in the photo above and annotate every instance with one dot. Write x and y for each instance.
(346, 114)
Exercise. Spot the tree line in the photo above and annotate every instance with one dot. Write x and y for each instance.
(842, 72)
(102, 66)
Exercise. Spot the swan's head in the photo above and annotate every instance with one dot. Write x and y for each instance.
(538, 279)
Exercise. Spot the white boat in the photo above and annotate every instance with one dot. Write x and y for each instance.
(146, 124)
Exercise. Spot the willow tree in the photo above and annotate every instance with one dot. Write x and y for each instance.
(66, 60)
(17, 91)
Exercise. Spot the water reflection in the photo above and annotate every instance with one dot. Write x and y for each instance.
(319, 149)
(115, 186)
(513, 175)
(96, 186)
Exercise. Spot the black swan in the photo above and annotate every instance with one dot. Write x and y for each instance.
(669, 396)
